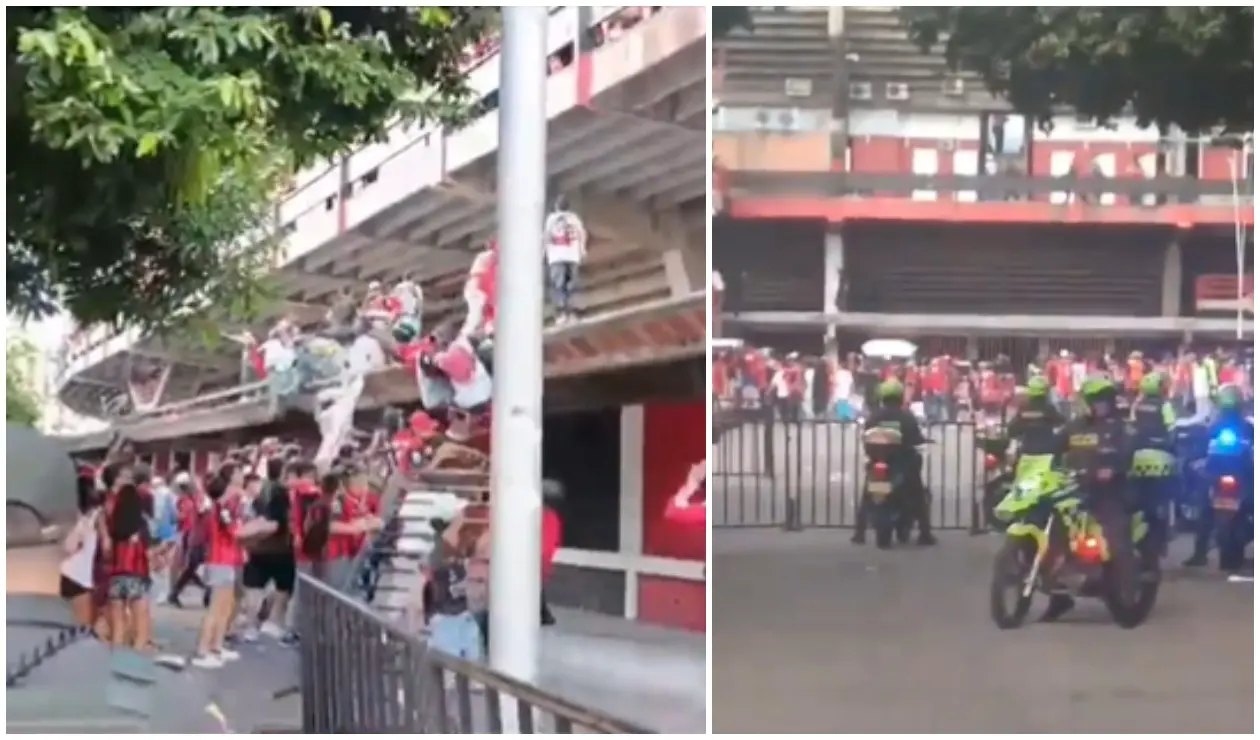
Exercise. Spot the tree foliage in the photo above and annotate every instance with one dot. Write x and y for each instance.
(1186, 66)
(22, 406)
(727, 18)
(144, 141)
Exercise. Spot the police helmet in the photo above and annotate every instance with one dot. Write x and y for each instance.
(891, 391)
(1152, 384)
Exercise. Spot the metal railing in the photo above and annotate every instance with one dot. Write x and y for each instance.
(1087, 190)
(768, 472)
(362, 674)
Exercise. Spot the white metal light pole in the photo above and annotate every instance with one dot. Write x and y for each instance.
(1238, 174)
(516, 436)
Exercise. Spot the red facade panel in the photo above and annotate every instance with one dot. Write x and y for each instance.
(672, 602)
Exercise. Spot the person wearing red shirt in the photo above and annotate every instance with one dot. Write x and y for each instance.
(480, 291)
(224, 558)
(411, 444)
(190, 508)
(552, 537)
(361, 501)
(322, 518)
(991, 396)
(721, 378)
(124, 546)
(1064, 382)
(756, 374)
(936, 389)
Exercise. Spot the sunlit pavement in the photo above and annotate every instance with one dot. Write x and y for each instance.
(813, 634)
(649, 675)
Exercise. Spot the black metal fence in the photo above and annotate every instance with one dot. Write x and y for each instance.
(773, 473)
(363, 674)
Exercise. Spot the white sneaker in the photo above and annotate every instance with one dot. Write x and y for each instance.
(249, 634)
(208, 660)
(227, 655)
(272, 630)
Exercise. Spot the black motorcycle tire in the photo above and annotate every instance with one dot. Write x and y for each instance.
(1010, 566)
(1124, 613)
(904, 525)
(884, 522)
(1231, 544)
(1150, 575)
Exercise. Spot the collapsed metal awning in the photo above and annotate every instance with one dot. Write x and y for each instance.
(657, 332)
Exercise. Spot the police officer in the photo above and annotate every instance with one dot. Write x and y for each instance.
(1151, 420)
(1097, 447)
(907, 463)
(1034, 428)
(1231, 415)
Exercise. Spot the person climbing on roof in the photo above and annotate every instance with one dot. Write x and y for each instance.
(479, 293)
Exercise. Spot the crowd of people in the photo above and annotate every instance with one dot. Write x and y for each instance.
(945, 388)
(251, 524)
(243, 532)
(385, 326)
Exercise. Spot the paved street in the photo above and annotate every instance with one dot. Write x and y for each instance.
(650, 675)
(814, 635)
(822, 464)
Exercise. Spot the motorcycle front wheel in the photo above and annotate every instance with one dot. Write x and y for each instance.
(1010, 570)
(1129, 604)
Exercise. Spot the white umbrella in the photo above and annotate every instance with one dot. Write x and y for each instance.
(891, 348)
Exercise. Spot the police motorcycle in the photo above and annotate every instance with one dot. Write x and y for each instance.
(1228, 475)
(886, 490)
(1054, 545)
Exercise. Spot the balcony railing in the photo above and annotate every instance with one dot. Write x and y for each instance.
(1153, 191)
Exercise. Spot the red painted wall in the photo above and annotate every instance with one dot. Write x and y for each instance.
(672, 602)
(674, 439)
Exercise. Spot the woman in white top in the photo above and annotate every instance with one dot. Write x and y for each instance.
(80, 561)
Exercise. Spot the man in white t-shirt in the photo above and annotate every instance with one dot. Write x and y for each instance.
(564, 241)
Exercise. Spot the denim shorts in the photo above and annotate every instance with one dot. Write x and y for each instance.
(220, 576)
(458, 635)
(128, 588)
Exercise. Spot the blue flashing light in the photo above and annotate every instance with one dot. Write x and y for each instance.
(1226, 438)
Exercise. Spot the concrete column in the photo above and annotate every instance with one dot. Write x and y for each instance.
(840, 86)
(833, 272)
(833, 276)
(1170, 281)
(630, 521)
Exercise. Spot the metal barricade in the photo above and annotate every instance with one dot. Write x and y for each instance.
(362, 674)
(773, 473)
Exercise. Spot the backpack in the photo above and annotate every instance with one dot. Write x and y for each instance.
(314, 515)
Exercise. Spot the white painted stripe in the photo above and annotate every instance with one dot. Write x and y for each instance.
(632, 565)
